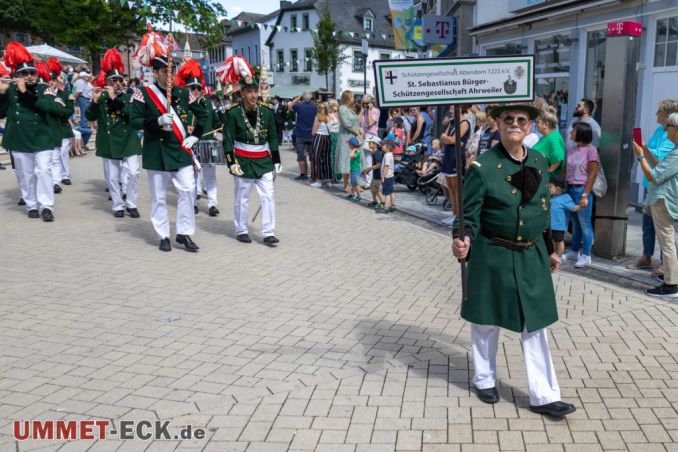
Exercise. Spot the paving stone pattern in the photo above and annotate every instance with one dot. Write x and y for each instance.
(347, 337)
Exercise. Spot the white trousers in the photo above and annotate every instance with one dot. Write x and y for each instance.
(209, 173)
(368, 162)
(35, 178)
(184, 183)
(127, 167)
(541, 376)
(243, 188)
(60, 162)
(106, 175)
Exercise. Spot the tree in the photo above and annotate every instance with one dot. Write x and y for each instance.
(327, 51)
(100, 24)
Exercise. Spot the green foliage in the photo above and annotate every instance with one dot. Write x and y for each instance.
(327, 51)
(100, 24)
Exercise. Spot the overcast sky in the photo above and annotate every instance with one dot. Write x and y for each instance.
(235, 7)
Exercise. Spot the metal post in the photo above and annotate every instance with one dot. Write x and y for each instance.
(460, 190)
(364, 74)
(619, 110)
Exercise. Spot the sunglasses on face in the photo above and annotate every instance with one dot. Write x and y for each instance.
(196, 88)
(25, 73)
(510, 120)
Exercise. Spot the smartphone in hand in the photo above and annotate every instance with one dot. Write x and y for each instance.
(638, 136)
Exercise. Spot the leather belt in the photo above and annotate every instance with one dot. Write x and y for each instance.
(516, 246)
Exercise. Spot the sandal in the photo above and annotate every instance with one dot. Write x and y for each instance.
(658, 271)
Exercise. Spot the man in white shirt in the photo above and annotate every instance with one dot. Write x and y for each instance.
(83, 93)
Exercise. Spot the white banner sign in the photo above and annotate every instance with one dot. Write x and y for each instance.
(454, 80)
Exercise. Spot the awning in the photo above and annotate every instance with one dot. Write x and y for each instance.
(47, 51)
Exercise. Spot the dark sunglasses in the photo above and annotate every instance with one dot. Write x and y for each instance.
(510, 120)
(196, 88)
(28, 72)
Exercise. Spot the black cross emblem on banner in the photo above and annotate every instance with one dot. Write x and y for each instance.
(390, 77)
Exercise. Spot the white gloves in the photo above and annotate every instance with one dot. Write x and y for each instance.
(278, 167)
(219, 136)
(165, 120)
(235, 170)
(189, 142)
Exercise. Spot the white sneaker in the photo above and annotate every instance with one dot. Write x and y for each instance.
(583, 261)
(449, 221)
(570, 256)
(316, 184)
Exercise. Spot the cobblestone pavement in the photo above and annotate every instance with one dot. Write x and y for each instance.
(347, 337)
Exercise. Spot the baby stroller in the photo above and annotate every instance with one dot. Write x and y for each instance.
(405, 171)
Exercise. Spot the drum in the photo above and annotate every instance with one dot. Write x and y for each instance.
(210, 151)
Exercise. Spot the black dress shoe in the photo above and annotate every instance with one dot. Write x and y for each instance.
(119, 213)
(555, 409)
(124, 196)
(165, 245)
(213, 211)
(244, 238)
(271, 240)
(33, 213)
(195, 210)
(57, 188)
(21, 202)
(47, 215)
(133, 212)
(187, 242)
(66, 182)
(489, 395)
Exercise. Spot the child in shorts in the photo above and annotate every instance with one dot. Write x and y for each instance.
(356, 168)
(561, 206)
(387, 176)
(373, 142)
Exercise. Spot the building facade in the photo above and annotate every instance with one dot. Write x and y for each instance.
(249, 38)
(568, 39)
(291, 47)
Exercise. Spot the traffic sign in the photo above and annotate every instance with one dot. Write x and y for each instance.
(454, 80)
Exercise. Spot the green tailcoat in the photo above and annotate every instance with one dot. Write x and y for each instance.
(64, 127)
(507, 288)
(161, 149)
(236, 130)
(31, 119)
(116, 139)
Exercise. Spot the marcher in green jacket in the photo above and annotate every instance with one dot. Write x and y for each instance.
(510, 259)
(117, 142)
(29, 133)
(168, 146)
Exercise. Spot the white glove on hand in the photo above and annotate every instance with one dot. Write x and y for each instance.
(235, 170)
(166, 119)
(189, 142)
(278, 168)
(219, 136)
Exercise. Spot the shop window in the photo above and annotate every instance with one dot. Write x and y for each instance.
(666, 43)
(552, 55)
(358, 61)
(596, 43)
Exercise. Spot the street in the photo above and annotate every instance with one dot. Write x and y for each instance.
(346, 337)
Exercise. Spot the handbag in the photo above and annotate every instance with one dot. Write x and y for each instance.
(600, 185)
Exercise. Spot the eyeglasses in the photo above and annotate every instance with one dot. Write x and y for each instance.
(29, 72)
(196, 88)
(510, 120)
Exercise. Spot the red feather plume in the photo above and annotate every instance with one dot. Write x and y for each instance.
(100, 81)
(54, 66)
(152, 45)
(4, 70)
(112, 60)
(190, 69)
(43, 71)
(15, 54)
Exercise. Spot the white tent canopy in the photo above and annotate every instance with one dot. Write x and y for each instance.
(47, 51)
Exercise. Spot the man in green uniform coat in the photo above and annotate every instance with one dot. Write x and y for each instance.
(29, 135)
(510, 259)
(117, 142)
(167, 147)
(251, 146)
(61, 172)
